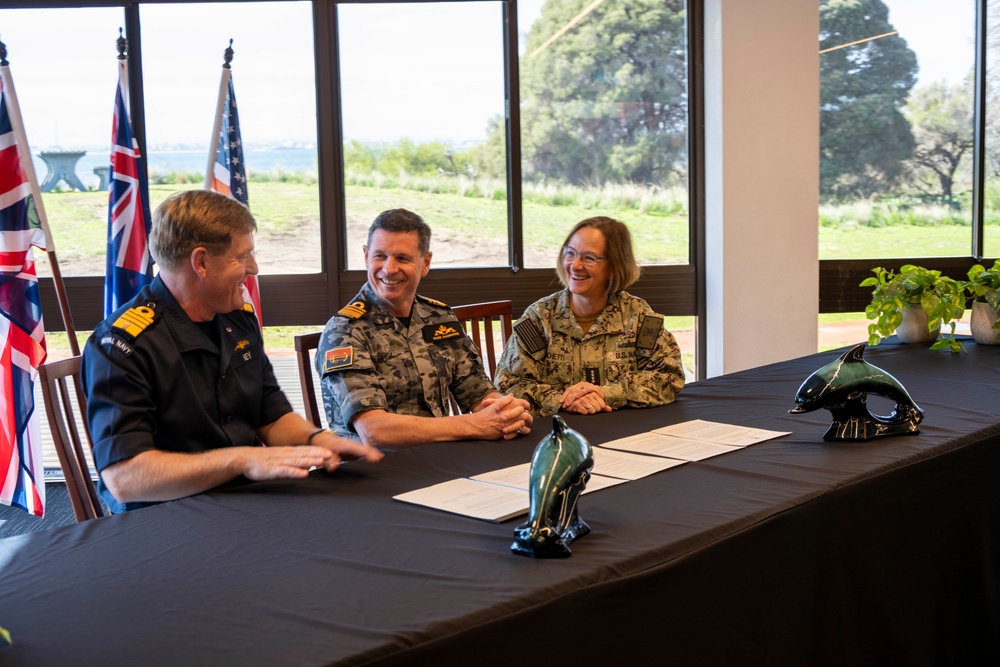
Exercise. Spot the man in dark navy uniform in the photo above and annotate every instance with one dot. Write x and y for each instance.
(180, 393)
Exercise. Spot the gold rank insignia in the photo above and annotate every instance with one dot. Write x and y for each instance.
(247, 307)
(338, 357)
(353, 310)
(135, 320)
(433, 302)
(444, 332)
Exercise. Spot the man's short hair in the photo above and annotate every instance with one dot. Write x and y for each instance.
(623, 269)
(400, 220)
(196, 218)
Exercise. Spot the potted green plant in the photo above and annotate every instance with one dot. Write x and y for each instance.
(914, 303)
(984, 288)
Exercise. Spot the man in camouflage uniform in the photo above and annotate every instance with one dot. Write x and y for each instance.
(627, 352)
(390, 359)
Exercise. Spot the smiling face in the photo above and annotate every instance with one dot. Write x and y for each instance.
(590, 282)
(395, 267)
(226, 273)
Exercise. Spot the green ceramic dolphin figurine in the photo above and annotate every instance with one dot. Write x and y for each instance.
(560, 468)
(842, 387)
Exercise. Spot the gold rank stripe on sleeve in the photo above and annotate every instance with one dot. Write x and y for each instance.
(338, 357)
(135, 320)
(353, 310)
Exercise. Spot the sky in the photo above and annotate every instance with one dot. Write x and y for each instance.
(431, 71)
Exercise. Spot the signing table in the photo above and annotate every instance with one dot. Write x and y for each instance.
(791, 551)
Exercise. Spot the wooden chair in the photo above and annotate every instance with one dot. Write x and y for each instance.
(482, 321)
(305, 344)
(56, 377)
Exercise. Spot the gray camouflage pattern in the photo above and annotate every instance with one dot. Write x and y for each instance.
(628, 375)
(396, 369)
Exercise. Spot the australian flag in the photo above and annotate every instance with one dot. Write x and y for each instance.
(229, 174)
(129, 265)
(22, 333)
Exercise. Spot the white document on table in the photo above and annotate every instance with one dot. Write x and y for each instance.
(722, 434)
(658, 444)
(628, 466)
(479, 500)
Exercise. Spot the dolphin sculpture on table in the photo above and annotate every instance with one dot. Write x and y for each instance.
(560, 468)
(842, 387)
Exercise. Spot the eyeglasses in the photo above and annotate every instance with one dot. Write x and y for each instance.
(588, 259)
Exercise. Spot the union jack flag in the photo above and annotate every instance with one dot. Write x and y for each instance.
(229, 175)
(129, 266)
(22, 333)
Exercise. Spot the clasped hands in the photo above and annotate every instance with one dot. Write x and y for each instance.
(505, 416)
(584, 398)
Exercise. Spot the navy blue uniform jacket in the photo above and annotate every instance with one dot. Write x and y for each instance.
(154, 380)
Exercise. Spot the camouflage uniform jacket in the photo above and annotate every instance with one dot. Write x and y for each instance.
(627, 352)
(368, 360)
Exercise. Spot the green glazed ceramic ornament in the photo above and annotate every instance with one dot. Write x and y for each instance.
(842, 387)
(560, 468)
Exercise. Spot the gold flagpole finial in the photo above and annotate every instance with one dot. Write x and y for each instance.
(122, 44)
(229, 54)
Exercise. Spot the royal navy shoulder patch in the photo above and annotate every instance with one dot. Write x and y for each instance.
(433, 302)
(135, 320)
(353, 311)
(530, 336)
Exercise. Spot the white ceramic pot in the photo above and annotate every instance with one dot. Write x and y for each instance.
(983, 318)
(914, 326)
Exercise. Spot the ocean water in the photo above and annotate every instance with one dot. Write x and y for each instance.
(160, 162)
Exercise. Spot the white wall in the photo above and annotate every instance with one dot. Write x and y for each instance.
(762, 181)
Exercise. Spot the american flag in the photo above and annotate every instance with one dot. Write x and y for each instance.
(229, 175)
(22, 333)
(129, 265)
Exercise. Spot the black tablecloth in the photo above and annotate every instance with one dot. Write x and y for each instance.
(791, 551)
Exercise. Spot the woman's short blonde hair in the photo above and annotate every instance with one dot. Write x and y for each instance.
(193, 218)
(623, 270)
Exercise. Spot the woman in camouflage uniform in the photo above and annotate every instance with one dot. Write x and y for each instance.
(592, 347)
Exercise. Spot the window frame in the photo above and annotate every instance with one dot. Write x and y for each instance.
(309, 299)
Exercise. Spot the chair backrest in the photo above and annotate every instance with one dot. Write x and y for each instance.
(304, 344)
(56, 378)
(483, 321)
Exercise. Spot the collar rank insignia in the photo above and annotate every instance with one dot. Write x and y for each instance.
(135, 320)
(353, 310)
(435, 333)
(338, 357)
(247, 307)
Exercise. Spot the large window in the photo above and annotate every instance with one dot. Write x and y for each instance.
(422, 89)
(897, 82)
(604, 118)
(63, 66)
